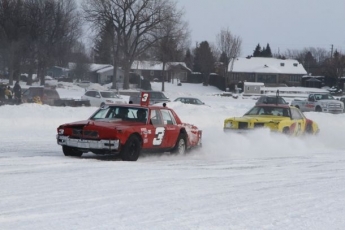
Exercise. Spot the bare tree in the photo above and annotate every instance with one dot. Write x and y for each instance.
(134, 23)
(54, 28)
(12, 30)
(230, 45)
(172, 38)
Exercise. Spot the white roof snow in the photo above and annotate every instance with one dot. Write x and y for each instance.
(266, 65)
(155, 65)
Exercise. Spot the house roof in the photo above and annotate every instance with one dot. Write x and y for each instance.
(157, 65)
(105, 69)
(97, 67)
(266, 65)
(93, 67)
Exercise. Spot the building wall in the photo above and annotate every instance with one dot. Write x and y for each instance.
(267, 78)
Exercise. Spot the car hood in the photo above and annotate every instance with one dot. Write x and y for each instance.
(258, 119)
(103, 123)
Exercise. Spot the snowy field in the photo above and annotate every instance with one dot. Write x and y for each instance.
(254, 181)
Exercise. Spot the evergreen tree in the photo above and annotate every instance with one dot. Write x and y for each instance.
(263, 52)
(103, 45)
(257, 51)
(268, 51)
(224, 59)
(188, 59)
(204, 60)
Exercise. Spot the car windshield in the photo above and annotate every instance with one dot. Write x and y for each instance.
(269, 110)
(323, 96)
(273, 100)
(110, 94)
(158, 95)
(135, 114)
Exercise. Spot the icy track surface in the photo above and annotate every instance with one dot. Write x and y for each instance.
(254, 181)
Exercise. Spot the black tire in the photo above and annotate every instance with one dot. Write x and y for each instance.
(318, 109)
(102, 104)
(131, 150)
(309, 129)
(297, 106)
(286, 131)
(70, 151)
(180, 146)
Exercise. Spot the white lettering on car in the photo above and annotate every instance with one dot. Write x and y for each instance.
(144, 97)
(159, 134)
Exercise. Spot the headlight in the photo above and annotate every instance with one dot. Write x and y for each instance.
(60, 131)
(228, 125)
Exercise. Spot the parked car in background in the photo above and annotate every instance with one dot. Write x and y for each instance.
(83, 84)
(190, 100)
(155, 97)
(49, 96)
(319, 102)
(271, 99)
(102, 97)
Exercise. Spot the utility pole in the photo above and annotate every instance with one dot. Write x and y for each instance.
(332, 51)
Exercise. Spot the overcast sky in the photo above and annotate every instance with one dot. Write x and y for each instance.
(284, 24)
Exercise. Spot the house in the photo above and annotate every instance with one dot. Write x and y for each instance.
(153, 70)
(270, 71)
(58, 72)
(101, 73)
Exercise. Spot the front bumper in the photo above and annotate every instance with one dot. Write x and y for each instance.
(88, 144)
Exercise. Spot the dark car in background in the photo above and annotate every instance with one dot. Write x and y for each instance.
(190, 100)
(50, 96)
(271, 99)
(155, 97)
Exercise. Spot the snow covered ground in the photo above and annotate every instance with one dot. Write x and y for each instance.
(254, 181)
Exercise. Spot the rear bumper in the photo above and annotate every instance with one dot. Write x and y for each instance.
(88, 144)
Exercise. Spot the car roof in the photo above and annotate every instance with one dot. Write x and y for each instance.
(270, 96)
(274, 105)
(188, 97)
(139, 106)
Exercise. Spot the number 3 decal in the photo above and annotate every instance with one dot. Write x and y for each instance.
(144, 97)
(159, 134)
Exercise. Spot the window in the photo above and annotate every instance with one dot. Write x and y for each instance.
(295, 78)
(168, 118)
(155, 118)
(267, 78)
(90, 93)
(296, 114)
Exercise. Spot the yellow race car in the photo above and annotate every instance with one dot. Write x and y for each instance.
(279, 118)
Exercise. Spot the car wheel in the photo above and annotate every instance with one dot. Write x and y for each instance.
(180, 147)
(102, 104)
(131, 150)
(286, 131)
(73, 152)
(309, 129)
(318, 109)
(297, 106)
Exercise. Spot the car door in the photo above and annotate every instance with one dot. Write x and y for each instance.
(299, 122)
(92, 97)
(154, 133)
(162, 130)
(172, 131)
(310, 103)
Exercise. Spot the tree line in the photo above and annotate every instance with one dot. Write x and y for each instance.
(37, 34)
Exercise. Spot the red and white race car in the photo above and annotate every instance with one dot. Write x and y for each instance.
(129, 129)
